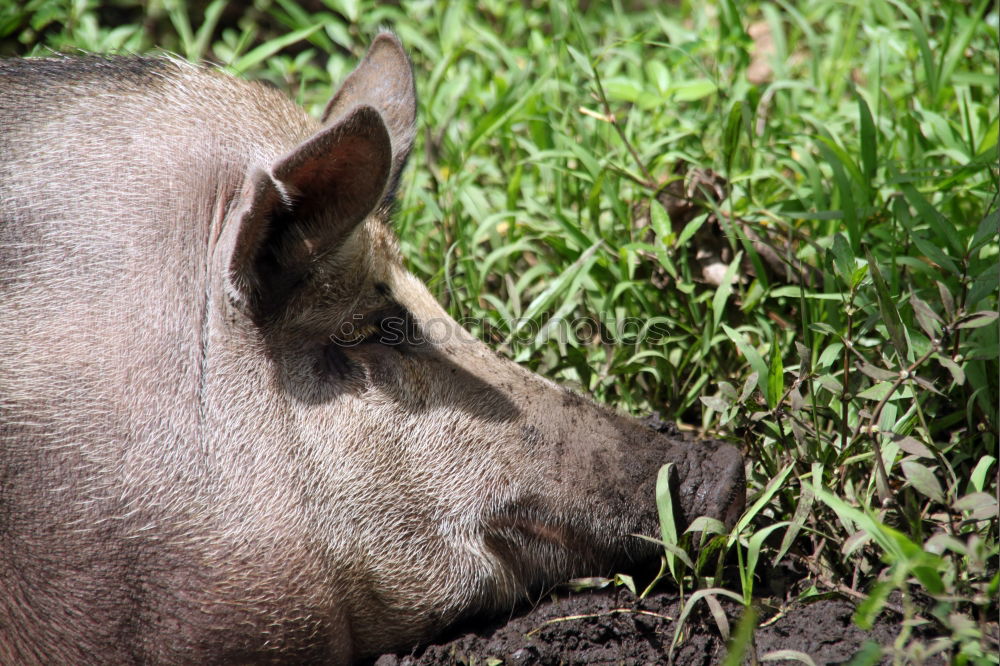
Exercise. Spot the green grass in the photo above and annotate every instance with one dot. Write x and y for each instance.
(864, 388)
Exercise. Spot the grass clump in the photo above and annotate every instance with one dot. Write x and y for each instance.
(773, 221)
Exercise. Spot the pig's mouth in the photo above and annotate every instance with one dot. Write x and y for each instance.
(540, 549)
(526, 529)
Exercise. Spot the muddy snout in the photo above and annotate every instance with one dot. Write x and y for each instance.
(707, 475)
(711, 482)
(723, 493)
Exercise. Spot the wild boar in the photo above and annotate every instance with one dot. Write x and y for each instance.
(225, 435)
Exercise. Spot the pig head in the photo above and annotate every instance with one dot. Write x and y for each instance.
(233, 427)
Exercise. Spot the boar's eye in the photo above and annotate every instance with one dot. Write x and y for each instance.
(391, 326)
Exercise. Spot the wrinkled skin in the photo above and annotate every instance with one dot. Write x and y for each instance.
(232, 426)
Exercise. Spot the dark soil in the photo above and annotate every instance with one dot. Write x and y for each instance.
(616, 628)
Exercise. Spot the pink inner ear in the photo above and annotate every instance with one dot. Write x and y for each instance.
(339, 180)
(340, 173)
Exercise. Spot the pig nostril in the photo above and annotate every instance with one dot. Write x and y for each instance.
(737, 502)
(733, 487)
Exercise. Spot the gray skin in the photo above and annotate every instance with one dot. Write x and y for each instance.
(227, 433)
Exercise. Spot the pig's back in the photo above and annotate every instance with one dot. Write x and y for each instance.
(122, 155)
(112, 172)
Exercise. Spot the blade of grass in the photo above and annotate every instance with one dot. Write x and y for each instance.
(261, 53)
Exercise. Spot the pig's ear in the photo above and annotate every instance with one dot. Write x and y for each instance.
(312, 199)
(384, 81)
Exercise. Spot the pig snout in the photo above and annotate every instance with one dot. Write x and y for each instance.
(713, 484)
(707, 477)
(614, 460)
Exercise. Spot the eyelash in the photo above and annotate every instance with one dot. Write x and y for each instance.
(389, 327)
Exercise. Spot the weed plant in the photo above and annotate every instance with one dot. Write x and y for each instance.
(774, 222)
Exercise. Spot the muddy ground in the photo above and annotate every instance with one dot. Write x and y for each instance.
(616, 628)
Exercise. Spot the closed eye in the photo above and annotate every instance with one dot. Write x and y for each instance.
(391, 326)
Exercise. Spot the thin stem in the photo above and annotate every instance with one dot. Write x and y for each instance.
(845, 396)
(650, 182)
(883, 478)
